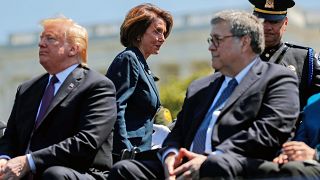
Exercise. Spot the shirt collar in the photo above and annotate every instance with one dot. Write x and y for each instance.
(65, 73)
(242, 73)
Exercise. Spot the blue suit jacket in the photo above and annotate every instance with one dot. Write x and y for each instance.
(137, 100)
(309, 129)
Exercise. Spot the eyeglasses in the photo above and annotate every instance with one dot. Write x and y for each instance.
(216, 40)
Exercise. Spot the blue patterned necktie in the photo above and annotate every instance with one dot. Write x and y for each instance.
(200, 137)
(46, 100)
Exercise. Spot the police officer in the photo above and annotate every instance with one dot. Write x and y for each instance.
(297, 58)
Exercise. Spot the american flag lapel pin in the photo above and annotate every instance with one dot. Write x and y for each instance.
(71, 86)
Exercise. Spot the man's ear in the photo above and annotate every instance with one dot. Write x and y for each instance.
(74, 50)
(246, 40)
(285, 24)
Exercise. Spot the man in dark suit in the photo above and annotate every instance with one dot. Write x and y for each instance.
(231, 120)
(299, 59)
(299, 158)
(61, 123)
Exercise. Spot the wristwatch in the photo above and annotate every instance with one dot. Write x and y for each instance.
(317, 155)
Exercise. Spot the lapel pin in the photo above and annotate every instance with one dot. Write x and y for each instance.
(71, 86)
(149, 72)
(292, 68)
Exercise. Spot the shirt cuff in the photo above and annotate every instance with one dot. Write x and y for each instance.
(31, 163)
(5, 157)
(166, 152)
(216, 152)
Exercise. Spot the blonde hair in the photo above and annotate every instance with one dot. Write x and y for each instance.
(74, 34)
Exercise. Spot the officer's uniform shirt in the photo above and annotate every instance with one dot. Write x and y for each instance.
(268, 52)
(296, 58)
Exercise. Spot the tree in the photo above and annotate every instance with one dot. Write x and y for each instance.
(172, 92)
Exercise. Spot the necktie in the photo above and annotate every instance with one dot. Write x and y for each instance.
(200, 137)
(46, 100)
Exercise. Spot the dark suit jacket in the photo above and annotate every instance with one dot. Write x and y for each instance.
(77, 129)
(137, 100)
(297, 58)
(257, 118)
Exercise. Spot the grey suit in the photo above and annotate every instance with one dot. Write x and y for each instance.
(255, 121)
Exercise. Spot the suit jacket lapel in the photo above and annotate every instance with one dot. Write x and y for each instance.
(143, 64)
(207, 99)
(71, 82)
(247, 81)
(32, 108)
(209, 96)
(149, 75)
(151, 81)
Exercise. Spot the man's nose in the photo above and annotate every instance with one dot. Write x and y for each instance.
(267, 25)
(41, 43)
(212, 47)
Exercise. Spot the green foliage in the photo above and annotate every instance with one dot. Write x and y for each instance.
(172, 91)
(172, 94)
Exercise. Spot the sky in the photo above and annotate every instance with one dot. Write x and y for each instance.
(19, 16)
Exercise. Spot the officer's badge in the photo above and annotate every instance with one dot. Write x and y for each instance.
(71, 86)
(267, 55)
(292, 68)
(269, 4)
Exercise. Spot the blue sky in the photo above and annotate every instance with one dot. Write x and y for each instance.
(24, 15)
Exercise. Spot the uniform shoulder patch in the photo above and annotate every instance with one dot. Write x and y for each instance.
(296, 46)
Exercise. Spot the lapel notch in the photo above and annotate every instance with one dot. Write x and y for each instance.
(71, 82)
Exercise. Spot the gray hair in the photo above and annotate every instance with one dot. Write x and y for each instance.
(243, 23)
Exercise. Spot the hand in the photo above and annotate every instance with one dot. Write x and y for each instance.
(190, 169)
(298, 151)
(170, 163)
(16, 168)
(3, 163)
(281, 159)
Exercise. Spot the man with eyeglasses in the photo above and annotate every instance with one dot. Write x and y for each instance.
(232, 120)
(299, 59)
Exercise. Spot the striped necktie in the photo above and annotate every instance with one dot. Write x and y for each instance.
(200, 137)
